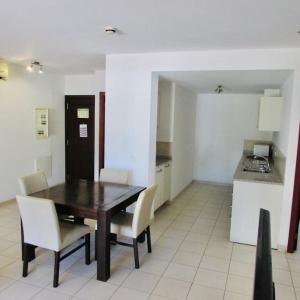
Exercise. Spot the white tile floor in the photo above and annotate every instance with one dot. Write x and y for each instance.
(192, 258)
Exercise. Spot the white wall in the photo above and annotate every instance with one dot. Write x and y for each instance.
(286, 140)
(131, 112)
(165, 111)
(222, 123)
(19, 96)
(88, 84)
(281, 138)
(183, 139)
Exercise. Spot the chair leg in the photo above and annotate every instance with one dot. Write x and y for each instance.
(148, 239)
(136, 253)
(56, 268)
(25, 260)
(87, 249)
(96, 251)
(113, 239)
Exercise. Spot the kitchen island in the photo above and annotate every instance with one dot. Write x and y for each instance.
(252, 191)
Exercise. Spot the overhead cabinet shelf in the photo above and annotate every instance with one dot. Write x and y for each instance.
(270, 113)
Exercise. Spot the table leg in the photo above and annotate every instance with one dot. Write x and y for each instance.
(30, 250)
(103, 246)
(79, 220)
(141, 237)
(113, 238)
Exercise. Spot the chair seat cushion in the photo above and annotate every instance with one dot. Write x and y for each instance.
(122, 224)
(71, 232)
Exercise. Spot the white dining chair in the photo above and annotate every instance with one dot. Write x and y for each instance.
(133, 225)
(42, 228)
(33, 183)
(114, 175)
(37, 182)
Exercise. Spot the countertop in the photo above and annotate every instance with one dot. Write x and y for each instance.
(162, 160)
(272, 178)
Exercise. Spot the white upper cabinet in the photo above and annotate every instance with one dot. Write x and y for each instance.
(164, 111)
(270, 113)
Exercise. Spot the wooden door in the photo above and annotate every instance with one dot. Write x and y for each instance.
(294, 223)
(101, 129)
(79, 137)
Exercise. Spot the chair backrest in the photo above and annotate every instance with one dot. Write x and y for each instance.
(114, 175)
(142, 216)
(40, 222)
(33, 183)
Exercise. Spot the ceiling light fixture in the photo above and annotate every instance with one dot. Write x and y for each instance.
(35, 66)
(110, 30)
(219, 89)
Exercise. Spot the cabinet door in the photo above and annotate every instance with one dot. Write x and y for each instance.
(270, 113)
(167, 182)
(159, 181)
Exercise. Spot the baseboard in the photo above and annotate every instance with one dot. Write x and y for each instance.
(281, 248)
(181, 192)
(5, 202)
(213, 182)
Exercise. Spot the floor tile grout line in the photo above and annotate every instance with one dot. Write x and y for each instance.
(294, 289)
(213, 233)
(170, 261)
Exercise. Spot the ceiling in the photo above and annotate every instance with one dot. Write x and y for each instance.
(68, 35)
(234, 82)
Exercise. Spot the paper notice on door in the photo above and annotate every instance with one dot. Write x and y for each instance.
(83, 113)
(83, 133)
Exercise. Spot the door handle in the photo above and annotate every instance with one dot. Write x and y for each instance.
(158, 171)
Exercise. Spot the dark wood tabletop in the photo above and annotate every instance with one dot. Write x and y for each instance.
(94, 200)
(90, 196)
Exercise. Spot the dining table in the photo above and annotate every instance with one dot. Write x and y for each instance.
(94, 200)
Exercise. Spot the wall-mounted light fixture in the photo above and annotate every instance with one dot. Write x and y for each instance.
(219, 89)
(35, 66)
(3, 71)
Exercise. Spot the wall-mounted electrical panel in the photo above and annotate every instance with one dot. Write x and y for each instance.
(42, 122)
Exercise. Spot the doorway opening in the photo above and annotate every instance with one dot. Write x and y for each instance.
(295, 214)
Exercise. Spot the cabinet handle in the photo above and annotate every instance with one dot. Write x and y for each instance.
(168, 165)
(158, 171)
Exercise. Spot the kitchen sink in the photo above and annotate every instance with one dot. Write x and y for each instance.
(256, 170)
(257, 164)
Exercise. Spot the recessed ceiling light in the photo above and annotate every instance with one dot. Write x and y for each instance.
(110, 30)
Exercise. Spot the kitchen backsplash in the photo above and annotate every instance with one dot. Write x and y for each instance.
(279, 161)
(164, 149)
(249, 144)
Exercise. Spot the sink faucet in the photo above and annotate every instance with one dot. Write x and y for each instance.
(268, 168)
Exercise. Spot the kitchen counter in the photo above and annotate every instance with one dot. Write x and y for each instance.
(162, 160)
(273, 177)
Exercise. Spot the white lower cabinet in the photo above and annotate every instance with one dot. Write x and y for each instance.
(167, 182)
(248, 198)
(159, 181)
(163, 181)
